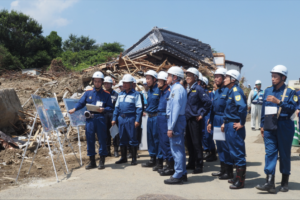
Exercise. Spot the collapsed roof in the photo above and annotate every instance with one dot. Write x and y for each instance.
(160, 44)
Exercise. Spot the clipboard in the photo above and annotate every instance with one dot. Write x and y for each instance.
(218, 134)
(92, 108)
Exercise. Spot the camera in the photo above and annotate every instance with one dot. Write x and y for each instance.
(88, 115)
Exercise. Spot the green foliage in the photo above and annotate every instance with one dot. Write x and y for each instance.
(81, 43)
(55, 43)
(84, 59)
(22, 36)
(7, 61)
(112, 47)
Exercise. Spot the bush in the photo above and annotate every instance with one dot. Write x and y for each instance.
(7, 61)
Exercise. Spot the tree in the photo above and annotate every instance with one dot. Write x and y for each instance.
(22, 36)
(7, 61)
(55, 43)
(115, 47)
(81, 43)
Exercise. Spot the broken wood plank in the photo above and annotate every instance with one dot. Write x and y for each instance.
(45, 79)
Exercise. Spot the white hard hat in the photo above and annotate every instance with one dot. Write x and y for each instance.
(134, 80)
(177, 71)
(127, 78)
(120, 84)
(151, 73)
(257, 82)
(222, 71)
(280, 69)
(162, 75)
(193, 70)
(200, 77)
(234, 74)
(205, 80)
(108, 79)
(98, 75)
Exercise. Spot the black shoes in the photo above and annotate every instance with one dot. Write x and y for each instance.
(284, 183)
(190, 166)
(116, 154)
(129, 155)
(269, 186)
(150, 163)
(212, 156)
(228, 173)
(92, 163)
(134, 153)
(240, 178)
(169, 170)
(174, 181)
(101, 162)
(198, 170)
(123, 155)
(222, 170)
(108, 151)
(159, 165)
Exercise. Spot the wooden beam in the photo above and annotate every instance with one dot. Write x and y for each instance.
(127, 66)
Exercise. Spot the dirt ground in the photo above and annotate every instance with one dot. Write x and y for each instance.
(42, 167)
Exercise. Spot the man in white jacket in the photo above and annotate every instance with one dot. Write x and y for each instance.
(255, 100)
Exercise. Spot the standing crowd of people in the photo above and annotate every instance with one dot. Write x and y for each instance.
(183, 113)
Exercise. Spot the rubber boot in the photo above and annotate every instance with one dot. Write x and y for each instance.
(222, 170)
(123, 155)
(240, 178)
(108, 150)
(198, 167)
(116, 153)
(284, 183)
(212, 157)
(101, 162)
(129, 152)
(92, 163)
(164, 167)
(134, 153)
(169, 170)
(206, 155)
(150, 163)
(269, 186)
(228, 173)
(159, 164)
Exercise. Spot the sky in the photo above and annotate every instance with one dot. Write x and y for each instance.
(260, 34)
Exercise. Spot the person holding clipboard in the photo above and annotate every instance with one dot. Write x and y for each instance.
(95, 120)
(216, 120)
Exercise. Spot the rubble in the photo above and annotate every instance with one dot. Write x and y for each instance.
(6, 142)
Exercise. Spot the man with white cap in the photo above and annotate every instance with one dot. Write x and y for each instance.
(176, 124)
(216, 120)
(162, 125)
(128, 111)
(255, 101)
(235, 114)
(152, 134)
(277, 128)
(108, 83)
(95, 122)
(197, 107)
